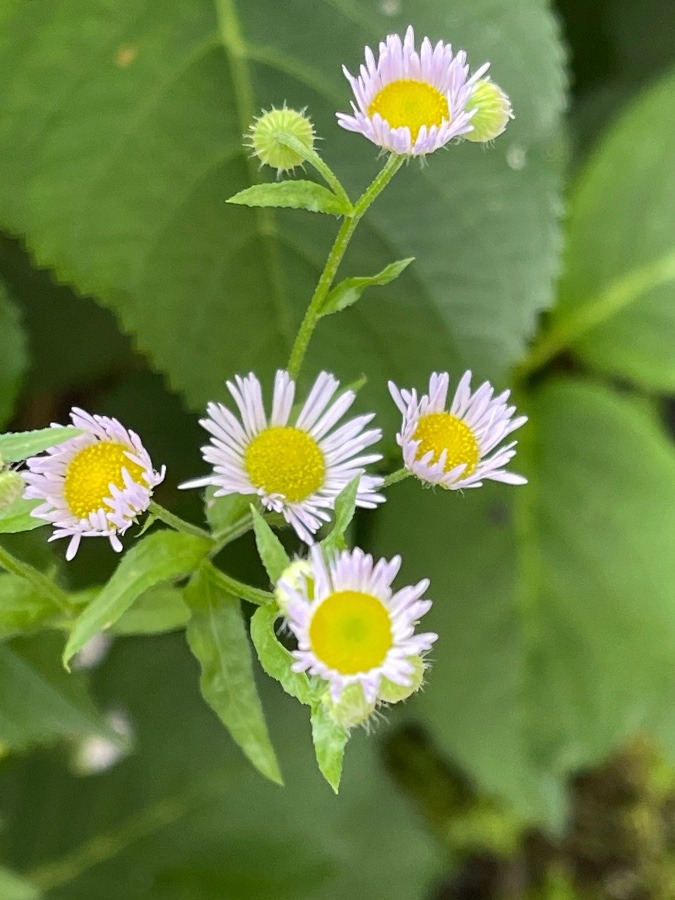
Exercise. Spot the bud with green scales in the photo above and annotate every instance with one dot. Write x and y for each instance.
(264, 133)
(493, 111)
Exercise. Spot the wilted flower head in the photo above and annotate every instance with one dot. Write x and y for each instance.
(451, 447)
(411, 102)
(296, 469)
(93, 485)
(354, 630)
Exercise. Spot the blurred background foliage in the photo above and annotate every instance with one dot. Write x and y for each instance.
(127, 286)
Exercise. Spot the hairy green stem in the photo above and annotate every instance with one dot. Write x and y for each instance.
(177, 523)
(42, 584)
(335, 256)
(395, 477)
(313, 158)
(238, 588)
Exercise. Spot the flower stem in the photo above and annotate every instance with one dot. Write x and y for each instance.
(313, 158)
(395, 477)
(42, 584)
(177, 523)
(239, 589)
(390, 168)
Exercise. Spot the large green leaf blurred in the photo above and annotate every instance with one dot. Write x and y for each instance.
(617, 297)
(13, 355)
(121, 140)
(186, 816)
(554, 602)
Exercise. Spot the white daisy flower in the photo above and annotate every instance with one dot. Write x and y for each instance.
(93, 485)
(297, 469)
(408, 102)
(351, 628)
(451, 447)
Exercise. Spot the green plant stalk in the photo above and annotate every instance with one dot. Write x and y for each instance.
(313, 158)
(238, 588)
(335, 256)
(395, 477)
(177, 523)
(43, 585)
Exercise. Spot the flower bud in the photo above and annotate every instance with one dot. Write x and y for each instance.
(493, 111)
(294, 577)
(351, 709)
(390, 692)
(12, 487)
(263, 138)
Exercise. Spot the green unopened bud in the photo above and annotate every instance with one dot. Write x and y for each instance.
(263, 138)
(390, 692)
(351, 709)
(295, 577)
(12, 487)
(493, 111)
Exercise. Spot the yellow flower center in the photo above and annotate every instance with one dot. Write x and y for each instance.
(442, 431)
(287, 461)
(411, 103)
(91, 472)
(351, 632)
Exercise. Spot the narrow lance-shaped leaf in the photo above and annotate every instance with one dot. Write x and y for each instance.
(345, 507)
(330, 740)
(276, 660)
(19, 445)
(294, 194)
(217, 637)
(347, 292)
(271, 550)
(161, 556)
(17, 516)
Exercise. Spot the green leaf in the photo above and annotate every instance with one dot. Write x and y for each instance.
(161, 556)
(616, 297)
(21, 608)
(345, 507)
(39, 702)
(546, 595)
(347, 292)
(276, 660)
(13, 355)
(13, 887)
(330, 740)
(224, 512)
(159, 609)
(17, 517)
(271, 550)
(19, 445)
(295, 194)
(122, 141)
(217, 637)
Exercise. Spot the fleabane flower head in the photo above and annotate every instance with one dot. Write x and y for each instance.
(263, 138)
(354, 629)
(411, 102)
(93, 485)
(457, 447)
(298, 467)
(492, 111)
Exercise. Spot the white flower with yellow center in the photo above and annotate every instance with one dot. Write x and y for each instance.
(457, 448)
(351, 628)
(95, 484)
(297, 469)
(408, 102)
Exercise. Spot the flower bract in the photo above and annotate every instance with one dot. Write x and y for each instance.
(411, 102)
(296, 464)
(354, 629)
(457, 447)
(93, 485)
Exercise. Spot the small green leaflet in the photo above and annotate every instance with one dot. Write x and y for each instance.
(217, 636)
(295, 194)
(330, 740)
(162, 556)
(345, 507)
(271, 550)
(19, 445)
(17, 517)
(347, 292)
(276, 660)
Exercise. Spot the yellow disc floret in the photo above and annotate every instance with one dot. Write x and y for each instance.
(287, 461)
(411, 103)
(441, 431)
(91, 472)
(351, 632)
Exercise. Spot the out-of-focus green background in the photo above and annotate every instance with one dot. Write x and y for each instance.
(129, 288)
